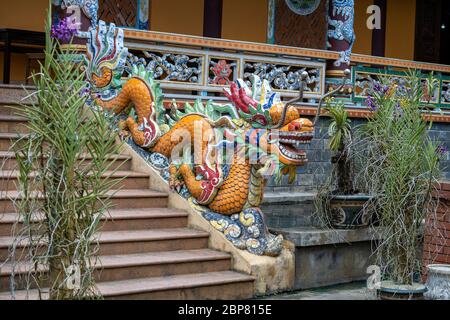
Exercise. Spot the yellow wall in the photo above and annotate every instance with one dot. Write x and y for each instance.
(18, 65)
(245, 20)
(23, 14)
(363, 43)
(177, 16)
(400, 29)
(242, 20)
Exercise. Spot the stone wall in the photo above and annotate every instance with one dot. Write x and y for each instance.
(319, 157)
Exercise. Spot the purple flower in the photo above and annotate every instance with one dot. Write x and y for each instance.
(378, 88)
(65, 29)
(371, 103)
(398, 112)
(442, 150)
(84, 92)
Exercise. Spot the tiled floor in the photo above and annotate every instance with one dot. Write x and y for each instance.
(351, 291)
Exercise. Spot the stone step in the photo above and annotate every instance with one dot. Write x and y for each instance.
(201, 286)
(115, 161)
(122, 199)
(15, 94)
(11, 109)
(132, 266)
(8, 139)
(13, 124)
(120, 242)
(117, 220)
(123, 179)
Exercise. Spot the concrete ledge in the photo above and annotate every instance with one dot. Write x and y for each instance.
(272, 274)
(288, 197)
(329, 257)
(288, 209)
(310, 236)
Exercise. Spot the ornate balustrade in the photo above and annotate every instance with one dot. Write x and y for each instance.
(192, 66)
(204, 68)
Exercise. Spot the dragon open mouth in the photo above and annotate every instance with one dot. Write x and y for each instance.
(290, 144)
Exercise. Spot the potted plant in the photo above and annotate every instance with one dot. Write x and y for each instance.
(402, 170)
(339, 203)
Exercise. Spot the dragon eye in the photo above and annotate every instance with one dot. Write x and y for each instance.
(294, 126)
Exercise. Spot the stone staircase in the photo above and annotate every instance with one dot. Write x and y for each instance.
(147, 250)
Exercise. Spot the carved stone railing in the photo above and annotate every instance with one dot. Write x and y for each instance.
(192, 67)
(364, 79)
(207, 70)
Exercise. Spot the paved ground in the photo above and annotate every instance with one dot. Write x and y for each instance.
(351, 291)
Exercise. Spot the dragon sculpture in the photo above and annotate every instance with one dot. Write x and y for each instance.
(216, 155)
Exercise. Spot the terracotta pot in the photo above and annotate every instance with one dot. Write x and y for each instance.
(438, 282)
(347, 213)
(392, 291)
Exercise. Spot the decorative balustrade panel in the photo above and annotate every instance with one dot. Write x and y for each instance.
(445, 92)
(191, 67)
(365, 78)
(283, 75)
(211, 71)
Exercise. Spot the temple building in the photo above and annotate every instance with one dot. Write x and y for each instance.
(410, 29)
(243, 69)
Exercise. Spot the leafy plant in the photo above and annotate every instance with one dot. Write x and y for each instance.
(402, 169)
(340, 135)
(342, 179)
(62, 186)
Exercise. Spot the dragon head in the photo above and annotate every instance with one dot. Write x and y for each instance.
(262, 109)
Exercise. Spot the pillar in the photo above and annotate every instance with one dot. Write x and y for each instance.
(212, 22)
(379, 35)
(341, 35)
(143, 14)
(271, 22)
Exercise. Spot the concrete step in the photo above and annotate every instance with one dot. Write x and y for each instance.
(120, 242)
(201, 286)
(118, 220)
(11, 109)
(15, 94)
(124, 179)
(115, 161)
(8, 139)
(13, 124)
(122, 199)
(132, 266)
